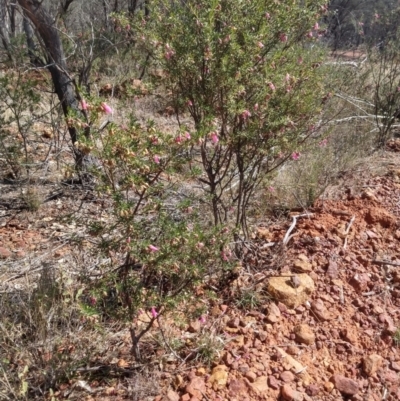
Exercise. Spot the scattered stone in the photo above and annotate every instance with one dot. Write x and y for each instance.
(281, 288)
(194, 327)
(360, 282)
(200, 372)
(260, 385)
(219, 377)
(345, 385)
(391, 376)
(304, 334)
(302, 264)
(252, 376)
(5, 253)
(288, 394)
(196, 387)
(329, 386)
(332, 271)
(172, 396)
(313, 390)
(273, 382)
(395, 365)
(287, 376)
(273, 313)
(371, 364)
(318, 307)
(292, 350)
(350, 334)
(237, 388)
(185, 397)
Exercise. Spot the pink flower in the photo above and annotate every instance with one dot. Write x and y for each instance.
(156, 159)
(225, 256)
(296, 155)
(267, 15)
(214, 137)
(283, 37)
(309, 34)
(200, 245)
(271, 189)
(246, 114)
(153, 248)
(187, 135)
(154, 312)
(92, 301)
(287, 77)
(260, 45)
(256, 107)
(377, 16)
(84, 105)
(323, 143)
(179, 139)
(189, 103)
(106, 108)
(316, 26)
(128, 240)
(202, 319)
(272, 86)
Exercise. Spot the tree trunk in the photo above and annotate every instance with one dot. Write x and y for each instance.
(57, 66)
(30, 42)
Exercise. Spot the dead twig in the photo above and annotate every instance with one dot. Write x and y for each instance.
(384, 262)
(287, 236)
(346, 233)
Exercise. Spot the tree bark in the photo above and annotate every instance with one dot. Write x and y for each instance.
(56, 64)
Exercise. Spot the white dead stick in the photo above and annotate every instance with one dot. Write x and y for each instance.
(292, 226)
(346, 233)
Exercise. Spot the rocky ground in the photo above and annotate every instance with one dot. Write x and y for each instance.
(330, 327)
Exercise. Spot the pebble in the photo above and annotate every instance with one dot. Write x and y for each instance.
(345, 385)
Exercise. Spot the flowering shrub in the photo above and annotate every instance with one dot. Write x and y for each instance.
(243, 72)
(166, 251)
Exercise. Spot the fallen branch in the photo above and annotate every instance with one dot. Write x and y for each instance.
(287, 237)
(385, 262)
(346, 233)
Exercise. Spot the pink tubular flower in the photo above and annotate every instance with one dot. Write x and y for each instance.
(189, 103)
(246, 114)
(272, 86)
(202, 319)
(260, 45)
(256, 107)
(106, 108)
(214, 137)
(296, 155)
(153, 248)
(316, 26)
(187, 135)
(179, 139)
(287, 77)
(267, 15)
(309, 35)
(84, 105)
(156, 159)
(154, 312)
(283, 37)
(323, 143)
(271, 189)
